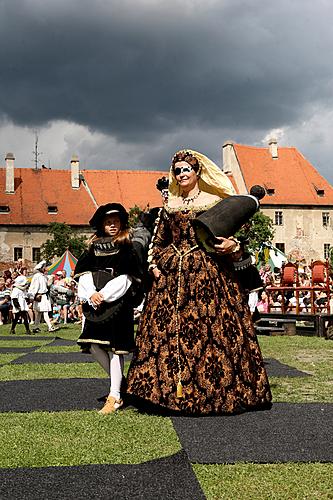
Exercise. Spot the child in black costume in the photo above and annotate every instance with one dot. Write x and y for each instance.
(109, 277)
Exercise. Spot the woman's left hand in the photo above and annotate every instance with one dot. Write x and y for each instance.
(226, 246)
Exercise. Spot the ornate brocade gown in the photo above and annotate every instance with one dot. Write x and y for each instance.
(197, 325)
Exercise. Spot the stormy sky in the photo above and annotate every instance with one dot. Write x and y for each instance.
(125, 83)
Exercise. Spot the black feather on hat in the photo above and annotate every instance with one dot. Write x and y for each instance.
(96, 221)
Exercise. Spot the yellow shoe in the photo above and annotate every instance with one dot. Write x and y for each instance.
(111, 405)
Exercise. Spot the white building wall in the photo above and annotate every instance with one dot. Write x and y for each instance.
(302, 231)
(27, 238)
(230, 164)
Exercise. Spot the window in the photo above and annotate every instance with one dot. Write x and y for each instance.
(280, 246)
(36, 254)
(52, 209)
(327, 248)
(319, 190)
(326, 219)
(4, 209)
(18, 253)
(270, 190)
(278, 218)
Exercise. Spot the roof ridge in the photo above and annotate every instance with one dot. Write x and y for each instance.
(266, 148)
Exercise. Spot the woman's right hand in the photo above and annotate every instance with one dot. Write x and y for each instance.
(96, 299)
(156, 272)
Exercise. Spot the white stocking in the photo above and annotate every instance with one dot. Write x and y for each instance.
(101, 356)
(47, 319)
(116, 370)
(38, 316)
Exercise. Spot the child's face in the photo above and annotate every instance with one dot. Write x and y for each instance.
(111, 225)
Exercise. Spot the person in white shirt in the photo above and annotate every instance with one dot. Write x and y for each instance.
(39, 292)
(20, 306)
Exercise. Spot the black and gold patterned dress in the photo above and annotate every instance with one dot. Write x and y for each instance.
(196, 327)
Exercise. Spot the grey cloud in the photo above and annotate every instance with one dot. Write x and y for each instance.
(137, 69)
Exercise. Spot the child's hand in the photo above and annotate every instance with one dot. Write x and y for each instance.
(96, 299)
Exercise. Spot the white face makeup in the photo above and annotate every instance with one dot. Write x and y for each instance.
(183, 170)
(185, 175)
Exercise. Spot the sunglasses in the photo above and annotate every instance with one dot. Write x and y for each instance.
(183, 170)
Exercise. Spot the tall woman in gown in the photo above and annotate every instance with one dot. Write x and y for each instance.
(196, 348)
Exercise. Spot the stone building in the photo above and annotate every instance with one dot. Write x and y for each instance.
(298, 199)
(31, 198)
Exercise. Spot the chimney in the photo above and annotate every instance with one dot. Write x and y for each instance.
(10, 173)
(228, 155)
(75, 172)
(273, 148)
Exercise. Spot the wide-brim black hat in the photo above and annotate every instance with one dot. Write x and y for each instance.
(224, 219)
(110, 208)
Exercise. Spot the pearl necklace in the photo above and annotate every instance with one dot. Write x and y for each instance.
(187, 200)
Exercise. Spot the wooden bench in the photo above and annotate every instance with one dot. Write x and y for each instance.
(283, 322)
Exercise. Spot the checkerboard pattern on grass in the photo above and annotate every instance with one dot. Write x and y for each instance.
(51, 434)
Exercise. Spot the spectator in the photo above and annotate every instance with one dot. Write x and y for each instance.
(263, 302)
(277, 302)
(5, 302)
(307, 300)
(321, 301)
(292, 304)
(24, 271)
(60, 292)
(7, 274)
(267, 275)
(9, 283)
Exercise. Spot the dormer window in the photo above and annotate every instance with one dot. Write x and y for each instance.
(270, 190)
(52, 209)
(320, 191)
(4, 209)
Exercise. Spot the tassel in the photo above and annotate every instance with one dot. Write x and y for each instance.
(179, 389)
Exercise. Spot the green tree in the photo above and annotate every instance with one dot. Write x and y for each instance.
(134, 214)
(258, 230)
(63, 238)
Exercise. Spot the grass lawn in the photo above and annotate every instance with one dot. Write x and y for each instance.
(83, 437)
(292, 481)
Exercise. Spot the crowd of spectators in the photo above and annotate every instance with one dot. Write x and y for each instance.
(66, 307)
(276, 300)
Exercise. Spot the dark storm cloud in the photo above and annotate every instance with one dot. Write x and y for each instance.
(138, 68)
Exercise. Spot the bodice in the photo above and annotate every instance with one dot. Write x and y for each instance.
(183, 235)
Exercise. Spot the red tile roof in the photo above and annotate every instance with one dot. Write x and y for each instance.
(36, 190)
(294, 180)
(128, 187)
